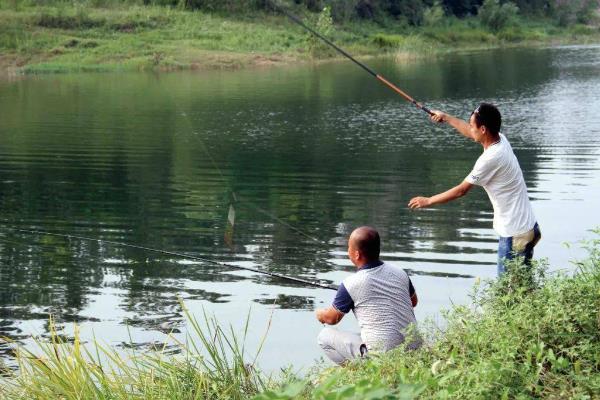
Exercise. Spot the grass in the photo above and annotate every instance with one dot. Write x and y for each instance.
(65, 36)
(211, 364)
(528, 335)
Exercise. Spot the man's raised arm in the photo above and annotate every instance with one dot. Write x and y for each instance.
(457, 123)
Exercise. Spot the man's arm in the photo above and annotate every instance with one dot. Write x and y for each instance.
(329, 315)
(460, 125)
(448, 195)
(342, 303)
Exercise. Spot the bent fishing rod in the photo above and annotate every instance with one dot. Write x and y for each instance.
(177, 254)
(345, 54)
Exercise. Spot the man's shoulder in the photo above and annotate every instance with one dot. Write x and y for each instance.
(393, 267)
(490, 156)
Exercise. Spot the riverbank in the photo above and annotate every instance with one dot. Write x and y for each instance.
(529, 335)
(69, 38)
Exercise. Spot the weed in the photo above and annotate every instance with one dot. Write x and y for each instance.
(211, 364)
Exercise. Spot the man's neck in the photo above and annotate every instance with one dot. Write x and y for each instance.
(370, 264)
(490, 141)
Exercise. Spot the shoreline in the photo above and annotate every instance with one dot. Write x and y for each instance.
(40, 40)
(13, 67)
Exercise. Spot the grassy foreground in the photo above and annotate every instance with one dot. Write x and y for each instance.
(65, 36)
(528, 335)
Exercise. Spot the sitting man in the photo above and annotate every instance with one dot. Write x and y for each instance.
(381, 296)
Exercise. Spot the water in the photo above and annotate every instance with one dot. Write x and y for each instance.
(310, 152)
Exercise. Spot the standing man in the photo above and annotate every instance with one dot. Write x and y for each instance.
(381, 296)
(498, 172)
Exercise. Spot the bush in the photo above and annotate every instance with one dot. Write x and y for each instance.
(455, 35)
(462, 8)
(387, 41)
(495, 16)
(569, 12)
(580, 29)
(323, 25)
(234, 6)
(511, 34)
(434, 15)
(410, 10)
(342, 10)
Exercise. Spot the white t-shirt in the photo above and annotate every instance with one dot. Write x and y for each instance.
(498, 172)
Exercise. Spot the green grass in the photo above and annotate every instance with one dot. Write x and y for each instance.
(211, 364)
(78, 37)
(528, 335)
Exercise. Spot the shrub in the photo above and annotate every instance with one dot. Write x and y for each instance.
(323, 25)
(568, 12)
(342, 10)
(387, 41)
(222, 5)
(454, 35)
(434, 15)
(511, 34)
(462, 8)
(579, 29)
(410, 10)
(496, 16)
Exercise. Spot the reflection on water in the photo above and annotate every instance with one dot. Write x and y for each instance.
(305, 154)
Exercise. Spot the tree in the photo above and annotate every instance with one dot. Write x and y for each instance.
(461, 8)
(495, 15)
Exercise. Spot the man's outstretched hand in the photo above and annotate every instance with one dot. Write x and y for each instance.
(419, 202)
(438, 116)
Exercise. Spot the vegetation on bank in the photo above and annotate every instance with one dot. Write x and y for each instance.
(65, 35)
(528, 335)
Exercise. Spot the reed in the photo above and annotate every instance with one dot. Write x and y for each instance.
(211, 363)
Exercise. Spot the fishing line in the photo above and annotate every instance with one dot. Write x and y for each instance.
(256, 207)
(379, 77)
(176, 254)
(236, 198)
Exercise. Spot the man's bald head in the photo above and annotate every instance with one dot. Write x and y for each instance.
(366, 240)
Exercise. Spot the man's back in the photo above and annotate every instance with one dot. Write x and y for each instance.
(498, 171)
(382, 305)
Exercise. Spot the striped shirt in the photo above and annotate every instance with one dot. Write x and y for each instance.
(379, 294)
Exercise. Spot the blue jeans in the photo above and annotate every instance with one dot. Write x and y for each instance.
(506, 251)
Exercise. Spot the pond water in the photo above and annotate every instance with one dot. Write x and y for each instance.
(308, 153)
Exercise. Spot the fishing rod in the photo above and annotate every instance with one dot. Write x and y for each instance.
(345, 54)
(177, 254)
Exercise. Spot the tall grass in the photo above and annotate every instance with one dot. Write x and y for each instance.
(530, 334)
(210, 364)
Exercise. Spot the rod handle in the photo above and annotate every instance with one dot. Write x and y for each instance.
(427, 110)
